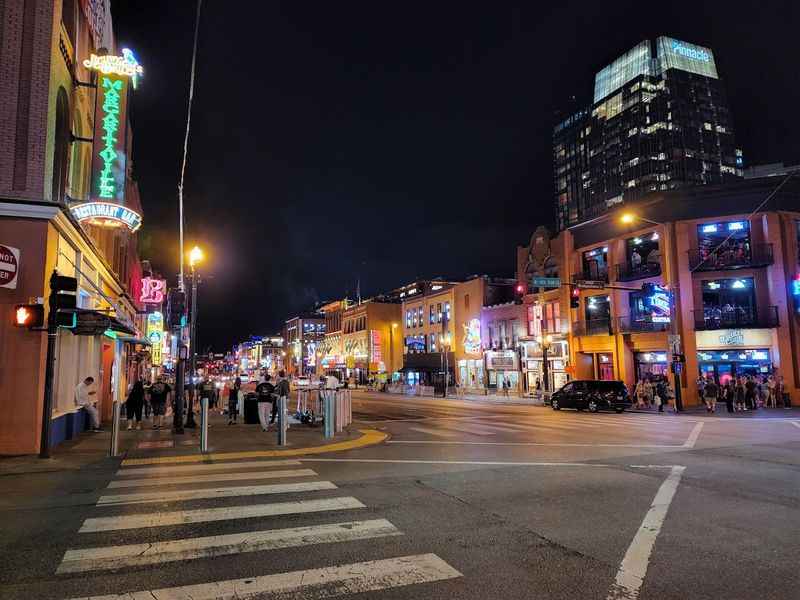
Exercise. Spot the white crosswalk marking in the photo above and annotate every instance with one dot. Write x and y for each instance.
(225, 492)
(115, 557)
(226, 513)
(311, 584)
(126, 483)
(203, 468)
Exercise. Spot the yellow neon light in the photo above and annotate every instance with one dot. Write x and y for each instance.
(116, 65)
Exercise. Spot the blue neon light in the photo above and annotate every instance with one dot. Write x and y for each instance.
(693, 53)
(736, 226)
(710, 228)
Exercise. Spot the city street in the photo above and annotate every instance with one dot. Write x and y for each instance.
(464, 500)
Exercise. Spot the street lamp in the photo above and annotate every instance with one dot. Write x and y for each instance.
(629, 218)
(195, 256)
(391, 351)
(444, 342)
(545, 342)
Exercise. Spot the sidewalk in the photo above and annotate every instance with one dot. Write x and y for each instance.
(700, 411)
(151, 446)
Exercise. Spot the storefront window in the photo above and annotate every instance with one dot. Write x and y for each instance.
(728, 302)
(643, 253)
(723, 365)
(732, 240)
(650, 365)
(552, 317)
(595, 264)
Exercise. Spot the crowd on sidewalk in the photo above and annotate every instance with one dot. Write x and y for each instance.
(743, 393)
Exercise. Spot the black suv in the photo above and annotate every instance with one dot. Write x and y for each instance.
(593, 395)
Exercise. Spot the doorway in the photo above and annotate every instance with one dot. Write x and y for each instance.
(105, 394)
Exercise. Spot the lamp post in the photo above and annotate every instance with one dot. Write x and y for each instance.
(672, 276)
(391, 351)
(444, 341)
(544, 342)
(195, 256)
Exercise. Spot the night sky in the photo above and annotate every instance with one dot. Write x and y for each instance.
(333, 141)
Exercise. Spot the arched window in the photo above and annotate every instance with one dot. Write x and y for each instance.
(68, 19)
(61, 147)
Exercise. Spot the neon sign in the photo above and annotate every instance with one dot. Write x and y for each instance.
(106, 214)
(153, 290)
(155, 335)
(693, 53)
(125, 65)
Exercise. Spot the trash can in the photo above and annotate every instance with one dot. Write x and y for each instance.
(250, 412)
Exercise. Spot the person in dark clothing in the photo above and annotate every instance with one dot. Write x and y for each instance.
(233, 401)
(134, 404)
(750, 394)
(266, 400)
(729, 395)
(661, 392)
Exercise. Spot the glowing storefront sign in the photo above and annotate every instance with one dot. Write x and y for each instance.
(472, 337)
(155, 335)
(106, 205)
(106, 214)
(153, 290)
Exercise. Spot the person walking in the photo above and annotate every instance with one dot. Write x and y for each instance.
(739, 395)
(233, 401)
(662, 394)
(639, 393)
(159, 394)
(728, 395)
(711, 391)
(134, 404)
(266, 401)
(750, 393)
(83, 400)
(771, 398)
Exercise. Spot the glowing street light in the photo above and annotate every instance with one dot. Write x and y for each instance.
(195, 256)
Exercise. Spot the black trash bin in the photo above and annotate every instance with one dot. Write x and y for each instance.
(250, 414)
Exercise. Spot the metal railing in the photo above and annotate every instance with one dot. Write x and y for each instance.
(731, 257)
(735, 318)
(629, 272)
(629, 324)
(591, 274)
(592, 327)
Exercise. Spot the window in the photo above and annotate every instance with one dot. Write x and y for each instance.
(731, 301)
(514, 324)
(433, 342)
(439, 305)
(643, 252)
(466, 301)
(732, 239)
(420, 314)
(432, 314)
(447, 311)
(408, 319)
(552, 317)
(595, 264)
(598, 308)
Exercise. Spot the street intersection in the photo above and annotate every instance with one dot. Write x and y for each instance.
(464, 500)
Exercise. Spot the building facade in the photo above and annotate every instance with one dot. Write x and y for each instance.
(54, 104)
(659, 120)
(331, 351)
(303, 335)
(691, 281)
(371, 341)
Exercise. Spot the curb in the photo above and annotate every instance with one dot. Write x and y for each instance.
(369, 437)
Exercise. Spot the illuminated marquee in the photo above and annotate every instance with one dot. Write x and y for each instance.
(106, 206)
(153, 290)
(107, 215)
(155, 335)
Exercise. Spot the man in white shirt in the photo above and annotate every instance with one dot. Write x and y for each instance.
(82, 393)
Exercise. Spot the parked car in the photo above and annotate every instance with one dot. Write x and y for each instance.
(592, 395)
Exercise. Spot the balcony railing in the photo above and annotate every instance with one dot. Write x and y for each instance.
(758, 255)
(630, 325)
(629, 272)
(735, 318)
(592, 327)
(591, 274)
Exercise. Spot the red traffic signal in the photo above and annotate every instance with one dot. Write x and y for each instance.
(29, 315)
(575, 298)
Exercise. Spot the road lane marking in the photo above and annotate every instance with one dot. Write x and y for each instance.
(369, 437)
(474, 429)
(439, 432)
(224, 492)
(225, 513)
(203, 468)
(633, 569)
(795, 423)
(133, 555)
(413, 461)
(695, 433)
(311, 584)
(554, 444)
(126, 483)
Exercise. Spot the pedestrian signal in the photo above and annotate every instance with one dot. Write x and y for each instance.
(29, 315)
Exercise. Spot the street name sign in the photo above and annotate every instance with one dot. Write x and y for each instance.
(589, 283)
(547, 282)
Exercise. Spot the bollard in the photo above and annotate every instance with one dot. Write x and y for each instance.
(330, 417)
(283, 417)
(116, 413)
(204, 425)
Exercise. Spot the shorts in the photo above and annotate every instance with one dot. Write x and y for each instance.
(159, 408)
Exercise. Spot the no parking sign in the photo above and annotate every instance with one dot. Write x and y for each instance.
(9, 266)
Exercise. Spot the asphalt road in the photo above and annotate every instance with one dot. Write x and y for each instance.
(465, 500)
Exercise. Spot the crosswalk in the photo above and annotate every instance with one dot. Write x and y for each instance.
(182, 485)
(457, 428)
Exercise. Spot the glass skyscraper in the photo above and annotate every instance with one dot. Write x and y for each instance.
(659, 120)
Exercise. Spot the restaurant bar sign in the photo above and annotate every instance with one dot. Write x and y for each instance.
(155, 335)
(106, 206)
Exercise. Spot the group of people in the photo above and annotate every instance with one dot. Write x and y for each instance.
(140, 400)
(652, 392)
(743, 393)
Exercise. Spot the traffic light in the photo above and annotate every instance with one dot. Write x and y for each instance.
(63, 299)
(29, 315)
(177, 308)
(519, 292)
(575, 298)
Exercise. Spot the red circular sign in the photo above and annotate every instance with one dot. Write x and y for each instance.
(8, 267)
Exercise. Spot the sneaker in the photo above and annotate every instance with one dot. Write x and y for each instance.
(130, 427)
(139, 426)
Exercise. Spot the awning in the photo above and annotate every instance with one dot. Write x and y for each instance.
(93, 322)
(134, 340)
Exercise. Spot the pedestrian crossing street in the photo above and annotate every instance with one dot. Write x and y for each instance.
(456, 428)
(217, 481)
